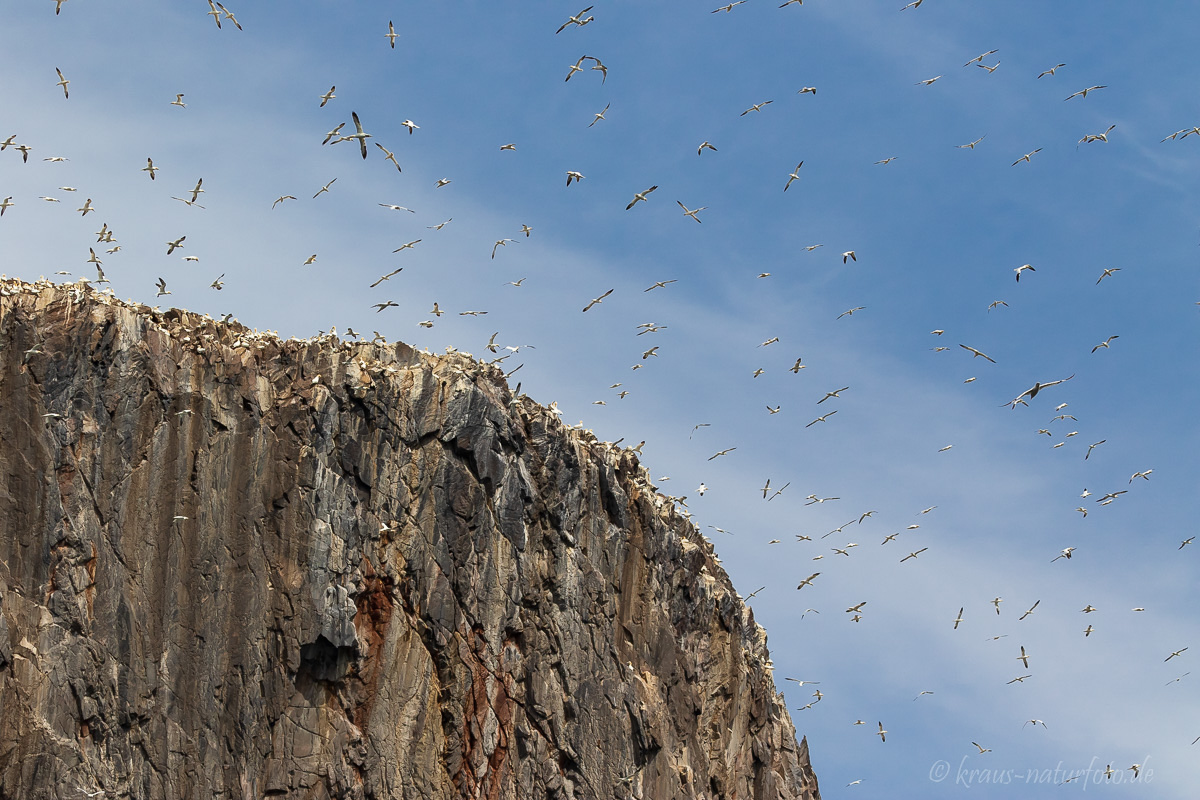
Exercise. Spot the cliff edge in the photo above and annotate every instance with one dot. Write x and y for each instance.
(236, 566)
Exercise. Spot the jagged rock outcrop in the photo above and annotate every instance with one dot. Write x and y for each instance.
(235, 566)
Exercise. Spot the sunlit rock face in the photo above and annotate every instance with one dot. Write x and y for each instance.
(235, 566)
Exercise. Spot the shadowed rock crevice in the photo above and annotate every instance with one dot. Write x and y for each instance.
(234, 566)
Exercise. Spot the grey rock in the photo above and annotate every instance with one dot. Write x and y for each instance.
(235, 566)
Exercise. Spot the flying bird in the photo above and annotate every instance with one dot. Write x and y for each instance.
(63, 83)
(324, 189)
(808, 581)
(325, 98)
(1105, 343)
(281, 198)
(794, 175)
(1097, 137)
(359, 134)
(691, 212)
(756, 106)
(971, 145)
(229, 16)
(1026, 157)
(172, 246)
(977, 354)
(598, 300)
(979, 58)
(835, 393)
(1032, 391)
(1026, 614)
(1084, 92)
(1021, 269)
(391, 34)
(335, 132)
(638, 196)
(1051, 71)
(706, 145)
(577, 20)
(728, 7)
(389, 156)
(600, 115)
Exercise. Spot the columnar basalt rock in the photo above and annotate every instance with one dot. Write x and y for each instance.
(236, 566)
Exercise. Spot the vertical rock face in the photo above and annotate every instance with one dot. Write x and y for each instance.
(233, 566)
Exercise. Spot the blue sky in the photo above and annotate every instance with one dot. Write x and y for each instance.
(937, 233)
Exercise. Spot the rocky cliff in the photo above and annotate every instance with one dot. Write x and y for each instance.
(235, 566)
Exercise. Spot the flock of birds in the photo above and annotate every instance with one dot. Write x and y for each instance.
(356, 134)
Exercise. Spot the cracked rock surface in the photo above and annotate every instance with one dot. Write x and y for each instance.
(236, 566)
